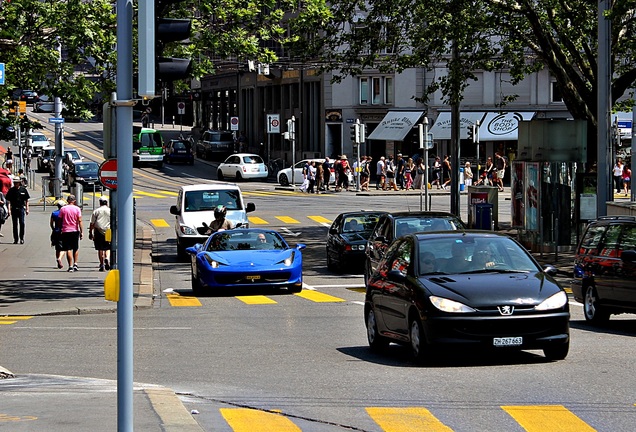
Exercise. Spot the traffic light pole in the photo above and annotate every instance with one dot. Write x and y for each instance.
(125, 234)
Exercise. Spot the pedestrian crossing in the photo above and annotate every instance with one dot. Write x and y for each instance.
(256, 221)
(177, 300)
(531, 418)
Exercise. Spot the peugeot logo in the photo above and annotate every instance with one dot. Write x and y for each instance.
(506, 310)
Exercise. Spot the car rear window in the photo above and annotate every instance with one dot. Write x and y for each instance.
(591, 239)
(209, 200)
(409, 225)
(252, 159)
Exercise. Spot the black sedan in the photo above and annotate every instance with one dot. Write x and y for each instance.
(470, 289)
(85, 173)
(347, 239)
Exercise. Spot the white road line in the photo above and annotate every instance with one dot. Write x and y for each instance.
(100, 328)
(360, 285)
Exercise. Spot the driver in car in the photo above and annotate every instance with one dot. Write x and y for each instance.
(220, 223)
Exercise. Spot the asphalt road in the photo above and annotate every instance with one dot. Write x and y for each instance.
(307, 357)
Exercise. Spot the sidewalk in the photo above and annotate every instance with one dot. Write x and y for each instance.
(31, 284)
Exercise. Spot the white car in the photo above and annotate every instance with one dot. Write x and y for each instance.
(196, 204)
(38, 142)
(242, 166)
(284, 175)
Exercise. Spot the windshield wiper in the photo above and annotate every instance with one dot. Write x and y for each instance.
(494, 270)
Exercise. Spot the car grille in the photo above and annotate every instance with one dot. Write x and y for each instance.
(244, 279)
(510, 326)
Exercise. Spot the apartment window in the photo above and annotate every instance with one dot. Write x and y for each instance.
(364, 91)
(555, 93)
(377, 90)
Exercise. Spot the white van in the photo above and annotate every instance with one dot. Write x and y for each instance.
(196, 204)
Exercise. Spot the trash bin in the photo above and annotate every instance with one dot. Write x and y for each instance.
(483, 216)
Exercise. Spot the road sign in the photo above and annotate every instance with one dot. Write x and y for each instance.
(1, 73)
(107, 174)
(273, 123)
(181, 108)
(234, 123)
(56, 120)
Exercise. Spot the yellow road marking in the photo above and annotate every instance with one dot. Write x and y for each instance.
(266, 193)
(179, 301)
(406, 420)
(159, 223)
(168, 193)
(360, 290)
(12, 319)
(5, 418)
(555, 418)
(319, 219)
(257, 299)
(257, 221)
(249, 420)
(154, 195)
(287, 219)
(318, 297)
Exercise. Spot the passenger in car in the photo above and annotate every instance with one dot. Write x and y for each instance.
(427, 263)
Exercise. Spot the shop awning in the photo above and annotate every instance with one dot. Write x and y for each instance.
(502, 126)
(441, 129)
(396, 125)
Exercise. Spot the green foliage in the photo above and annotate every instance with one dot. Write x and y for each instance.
(518, 36)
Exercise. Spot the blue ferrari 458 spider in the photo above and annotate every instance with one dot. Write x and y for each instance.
(246, 258)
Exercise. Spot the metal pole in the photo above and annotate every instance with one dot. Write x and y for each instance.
(292, 137)
(59, 139)
(604, 154)
(426, 144)
(123, 108)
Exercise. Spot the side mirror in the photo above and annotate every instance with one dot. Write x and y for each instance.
(301, 246)
(396, 276)
(550, 269)
(333, 231)
(250, 208)
(173, 210)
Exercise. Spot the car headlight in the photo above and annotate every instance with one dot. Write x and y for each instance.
(289, 260)
(188, 230)
(213, 264)
(446, 305)
(555, 301)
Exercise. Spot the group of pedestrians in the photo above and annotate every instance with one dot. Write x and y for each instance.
(622, 176)
(67, 230)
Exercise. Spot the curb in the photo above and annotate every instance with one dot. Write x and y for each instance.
(143, 258)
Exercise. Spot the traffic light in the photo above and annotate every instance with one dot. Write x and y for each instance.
(355, 133)
(472, 135)
(363, 133)
(155, 32)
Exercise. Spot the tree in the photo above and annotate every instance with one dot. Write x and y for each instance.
(31, 32)
(522, 36)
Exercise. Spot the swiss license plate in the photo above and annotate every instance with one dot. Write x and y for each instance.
(252, 277)
(507, 341)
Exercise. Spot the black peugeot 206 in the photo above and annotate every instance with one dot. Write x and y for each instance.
(471, 289)
(347, 239)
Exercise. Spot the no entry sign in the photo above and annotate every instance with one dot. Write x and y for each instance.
(107, 174)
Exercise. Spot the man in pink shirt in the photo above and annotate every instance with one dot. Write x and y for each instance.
(72, 228)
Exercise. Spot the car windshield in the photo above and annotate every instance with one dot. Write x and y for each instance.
(415, 224)
(86, 168)
(359, 223)
(206, 200)
(74, 154)
(234, 240)
(252, 159)
(39, 138)
(472, 254)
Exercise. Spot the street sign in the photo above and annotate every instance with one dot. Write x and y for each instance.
(56, 120)
(273, 123)
(107, 174)
(1, 73)
(234, 123)
(181, 108)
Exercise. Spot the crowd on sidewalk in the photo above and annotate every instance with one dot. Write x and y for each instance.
(400, 173)
(622, 177)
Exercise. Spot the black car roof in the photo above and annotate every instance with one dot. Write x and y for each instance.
(421, 213)
(362, 212)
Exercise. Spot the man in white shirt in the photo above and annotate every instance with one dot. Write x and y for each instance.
(100, 223)
(381, 174)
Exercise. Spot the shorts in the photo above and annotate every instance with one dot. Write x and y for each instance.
(70, 241)
(99, 240)
(500, 174)
(56, 241)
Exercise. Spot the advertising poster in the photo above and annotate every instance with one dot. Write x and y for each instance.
(518, 207)
(532, 197)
